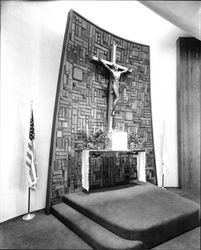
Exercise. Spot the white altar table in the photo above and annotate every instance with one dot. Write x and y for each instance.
(88, 168)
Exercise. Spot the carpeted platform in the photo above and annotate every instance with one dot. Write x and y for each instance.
(140, 216)
(93, 233)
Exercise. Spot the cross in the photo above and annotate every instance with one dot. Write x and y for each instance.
(115, 73)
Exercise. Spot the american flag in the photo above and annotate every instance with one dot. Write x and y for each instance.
(31, 155)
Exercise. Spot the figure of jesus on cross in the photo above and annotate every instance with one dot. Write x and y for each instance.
(116, 72)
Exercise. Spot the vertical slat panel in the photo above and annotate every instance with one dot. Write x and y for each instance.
(188, 111)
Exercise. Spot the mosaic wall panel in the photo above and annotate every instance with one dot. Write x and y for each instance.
(81, 100)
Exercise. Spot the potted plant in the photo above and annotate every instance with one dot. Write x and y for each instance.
(96, 141)
(135, 141)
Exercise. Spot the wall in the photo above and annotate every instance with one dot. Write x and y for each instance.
(32, 36)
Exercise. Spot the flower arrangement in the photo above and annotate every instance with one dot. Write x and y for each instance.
(135, 141)
(96, 140)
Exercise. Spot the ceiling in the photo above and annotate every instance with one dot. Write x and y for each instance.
(184, 14)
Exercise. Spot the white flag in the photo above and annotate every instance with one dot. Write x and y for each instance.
(164, 152)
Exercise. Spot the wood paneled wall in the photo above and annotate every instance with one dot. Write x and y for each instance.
(188, 111)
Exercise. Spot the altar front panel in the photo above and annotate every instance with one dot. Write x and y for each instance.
(106, 168)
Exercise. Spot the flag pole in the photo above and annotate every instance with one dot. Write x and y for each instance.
(163, 159)
(163, 180)
(28, 216)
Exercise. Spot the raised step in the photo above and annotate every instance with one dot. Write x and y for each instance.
(91, 232)
(141, 212)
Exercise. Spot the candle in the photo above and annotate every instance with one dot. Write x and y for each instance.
(87, 129)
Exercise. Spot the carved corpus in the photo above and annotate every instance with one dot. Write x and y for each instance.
(115, 75)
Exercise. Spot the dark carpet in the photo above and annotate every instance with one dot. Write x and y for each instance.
(42, 232)
(138, 213)
(47, 232)
(192, 195)
(93, 233)
(187, 241)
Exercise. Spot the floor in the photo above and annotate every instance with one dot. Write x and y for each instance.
(46, 232)
(42, 232)
(191, 195)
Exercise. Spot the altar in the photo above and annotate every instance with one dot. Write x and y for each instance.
(111, 163)
(103, 168)
(103, 89)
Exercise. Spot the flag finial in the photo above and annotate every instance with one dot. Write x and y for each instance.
(31, 102)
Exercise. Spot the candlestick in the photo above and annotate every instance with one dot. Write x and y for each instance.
(87, 129)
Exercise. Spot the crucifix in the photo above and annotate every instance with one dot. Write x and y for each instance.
(116, 72)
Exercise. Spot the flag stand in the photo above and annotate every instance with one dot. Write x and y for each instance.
(163, 181)
(28, 216)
